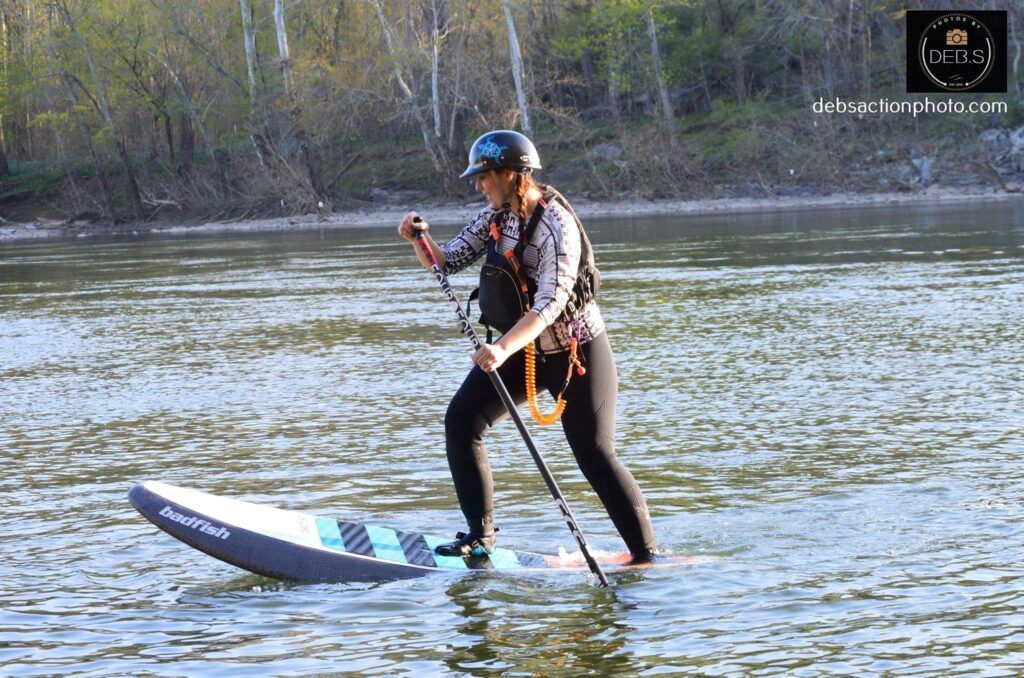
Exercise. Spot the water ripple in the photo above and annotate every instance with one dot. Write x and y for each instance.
(823, 407)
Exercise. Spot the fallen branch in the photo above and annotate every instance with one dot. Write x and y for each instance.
(986, 169)
(764, 185)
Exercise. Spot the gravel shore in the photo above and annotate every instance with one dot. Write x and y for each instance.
(457, 213)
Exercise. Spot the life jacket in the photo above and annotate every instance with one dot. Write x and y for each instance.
(506, 292)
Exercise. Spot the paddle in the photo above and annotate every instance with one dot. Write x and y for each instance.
(499, 386)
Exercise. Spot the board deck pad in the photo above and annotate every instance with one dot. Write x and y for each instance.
(295, 545)
(411, 548)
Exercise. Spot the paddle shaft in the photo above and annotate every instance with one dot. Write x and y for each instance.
(510, 405)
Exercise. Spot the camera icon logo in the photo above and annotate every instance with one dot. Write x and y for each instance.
(956, 51)
(956, 38)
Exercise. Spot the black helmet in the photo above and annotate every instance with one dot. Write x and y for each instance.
(501, 148)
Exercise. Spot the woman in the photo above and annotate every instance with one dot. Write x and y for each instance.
(537, 286)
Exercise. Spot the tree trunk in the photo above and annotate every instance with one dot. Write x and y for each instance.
(865, 56)
(435, 98)
(169, 136)
(663, 89)
(250, 51)
(198, 122)
(282, 46)
(5, 85)
(133, 184)
(613, 88)
(457, 126)
(249, 39)
(312, 168)
(739, 73)
(457, 135)
(186, 144)
(805, 86)
(435, 158)
(308, 156)
(587, 66)
(1015, 39)
(65, 164)
(517, 65)
(848, 57)
(829, 79)
(453, 126)
(26, 49)
(101, 173)
(615, 61)
(69, 91)
(104, 109)
(704, 81)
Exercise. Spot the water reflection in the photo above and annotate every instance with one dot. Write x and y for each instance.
(526, 624)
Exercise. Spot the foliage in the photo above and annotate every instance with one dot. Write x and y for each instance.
(173, 77)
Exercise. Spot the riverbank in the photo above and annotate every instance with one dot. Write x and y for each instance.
(457, 213)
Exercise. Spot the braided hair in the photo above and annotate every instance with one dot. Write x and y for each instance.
(524, 182)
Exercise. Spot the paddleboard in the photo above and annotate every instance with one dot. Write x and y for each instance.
(300, 546)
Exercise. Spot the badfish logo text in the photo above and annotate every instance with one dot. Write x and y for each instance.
(954, 51)
(195, 523)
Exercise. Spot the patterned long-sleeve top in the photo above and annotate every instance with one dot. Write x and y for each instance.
(551, 258)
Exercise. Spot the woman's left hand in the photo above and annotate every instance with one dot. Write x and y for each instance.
(490, 357)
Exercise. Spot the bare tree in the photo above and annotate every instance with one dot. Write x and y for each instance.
(203, 134)
(435, 40)
(27, 48)
(435, 157)
(65, 163)
(457, 123)
(517, 64)
(102, 105)
(666, 102)
(69, 91)
(5, 84)
(250, 52)
(282, 45)
(249, 39)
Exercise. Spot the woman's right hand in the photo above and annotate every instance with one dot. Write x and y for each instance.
(407, 229)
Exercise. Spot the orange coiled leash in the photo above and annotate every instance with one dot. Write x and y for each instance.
(531, 384)
(531, 392)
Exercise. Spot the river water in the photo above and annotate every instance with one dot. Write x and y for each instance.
(824, 406)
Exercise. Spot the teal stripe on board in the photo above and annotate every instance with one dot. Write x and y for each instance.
(329, 534)
(444, 562)
(504, 559)
(385, 544)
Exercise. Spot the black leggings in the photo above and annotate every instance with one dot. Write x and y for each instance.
(588, 422)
